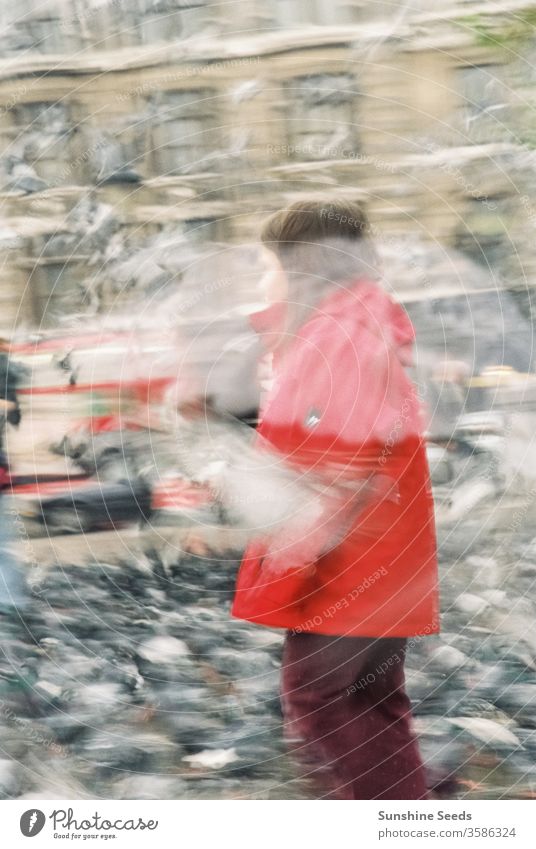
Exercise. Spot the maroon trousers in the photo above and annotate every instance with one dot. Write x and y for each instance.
(347, 716)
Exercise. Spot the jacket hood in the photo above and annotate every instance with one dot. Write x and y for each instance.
(365, 303)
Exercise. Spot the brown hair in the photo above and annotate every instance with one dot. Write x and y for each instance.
(321, 245)
(312, 221)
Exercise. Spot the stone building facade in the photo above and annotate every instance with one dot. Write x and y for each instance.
(124, 120)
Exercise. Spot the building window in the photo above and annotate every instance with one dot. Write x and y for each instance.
(322, 117)
(484, 109)
(184, 137)
(56, 290)
(48, 116)
(201, 230)
(483, 235)
(317, 12)
(168, 19)
(43, 139)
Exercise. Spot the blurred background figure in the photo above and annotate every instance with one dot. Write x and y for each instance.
(12, 585)
(10, 378)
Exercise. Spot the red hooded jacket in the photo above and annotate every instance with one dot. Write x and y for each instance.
(343, 406)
